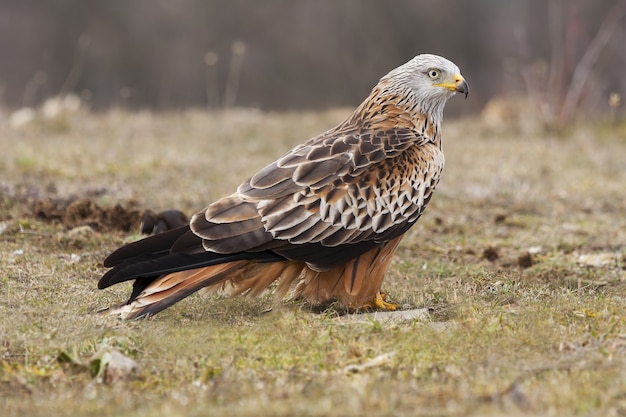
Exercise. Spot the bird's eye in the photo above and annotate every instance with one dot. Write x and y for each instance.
(433, 74)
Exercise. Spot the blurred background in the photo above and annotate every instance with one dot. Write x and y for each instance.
(560, 58)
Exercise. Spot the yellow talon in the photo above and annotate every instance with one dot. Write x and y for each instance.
(380, 303)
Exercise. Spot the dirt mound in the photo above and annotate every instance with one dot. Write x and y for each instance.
(84, 211)
(81, 209)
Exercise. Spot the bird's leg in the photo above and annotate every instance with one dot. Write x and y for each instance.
(380, 303)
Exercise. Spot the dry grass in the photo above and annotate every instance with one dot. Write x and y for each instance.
(510, 332)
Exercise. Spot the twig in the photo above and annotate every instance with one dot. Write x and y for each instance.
(555, 26)
(234, 72)
(372, 363)
(583, 69)
(210, 80)
(84, 40)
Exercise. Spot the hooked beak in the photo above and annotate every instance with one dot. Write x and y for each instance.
(457, 84)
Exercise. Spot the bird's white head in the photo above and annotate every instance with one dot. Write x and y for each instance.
(428, 80)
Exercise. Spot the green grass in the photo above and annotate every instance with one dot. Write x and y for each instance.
(509, 333)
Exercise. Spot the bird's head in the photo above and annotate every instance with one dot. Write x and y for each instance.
(429, 80)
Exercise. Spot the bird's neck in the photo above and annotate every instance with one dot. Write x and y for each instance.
(386, 109)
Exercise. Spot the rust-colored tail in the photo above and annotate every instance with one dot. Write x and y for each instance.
(239, 277)
(162, 279)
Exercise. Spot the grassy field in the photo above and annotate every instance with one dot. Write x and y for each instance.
(520, 260)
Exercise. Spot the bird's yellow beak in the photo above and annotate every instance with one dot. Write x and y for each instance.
(456, 84)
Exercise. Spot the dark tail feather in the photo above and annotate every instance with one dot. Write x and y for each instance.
(152, 246)
(176, 262)
(170, 266)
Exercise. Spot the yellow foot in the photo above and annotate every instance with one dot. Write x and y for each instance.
(380, 303)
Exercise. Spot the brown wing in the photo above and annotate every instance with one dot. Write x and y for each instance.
(328, 200)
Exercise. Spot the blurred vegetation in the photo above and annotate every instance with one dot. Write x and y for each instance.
(566, 56)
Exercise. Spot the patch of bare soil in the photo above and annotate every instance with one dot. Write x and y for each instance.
(83, 210)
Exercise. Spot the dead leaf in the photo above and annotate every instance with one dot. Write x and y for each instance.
(108, 364)
(597, 260)
(118, 367)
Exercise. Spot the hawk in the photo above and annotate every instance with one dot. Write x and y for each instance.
(323, 221)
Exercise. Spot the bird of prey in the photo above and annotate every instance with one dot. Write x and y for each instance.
(323, 221)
